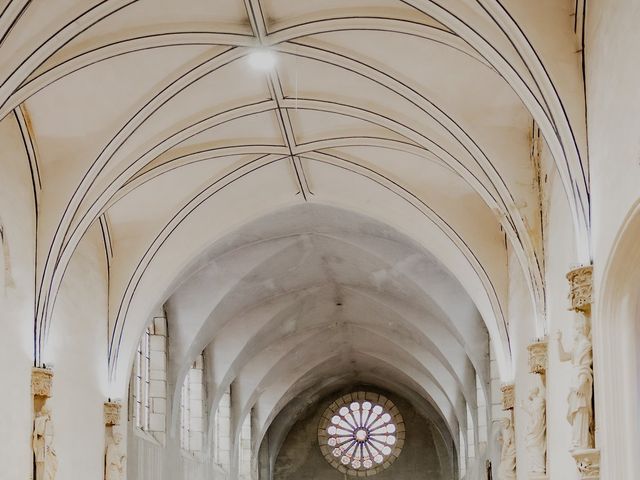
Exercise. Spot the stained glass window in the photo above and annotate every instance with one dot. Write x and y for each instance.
(361, 432)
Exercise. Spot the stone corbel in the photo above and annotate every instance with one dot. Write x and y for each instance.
(112, 413)
(41, 387)
(508, 396)
(538, 356)
(41, 381)
(580, 283)
(588, 463)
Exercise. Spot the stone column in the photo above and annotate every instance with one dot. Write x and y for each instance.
(115, 456)
(580, 412)
(45, 462)
(507, 467)
(536, 408)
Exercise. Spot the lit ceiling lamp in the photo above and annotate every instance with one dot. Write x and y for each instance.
(262, 59)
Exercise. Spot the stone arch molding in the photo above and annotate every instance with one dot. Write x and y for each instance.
(510, 220)
(144, 291)
(484, 32)
(250, 391)
(617, 305)
(229, 329)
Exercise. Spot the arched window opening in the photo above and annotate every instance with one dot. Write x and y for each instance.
(192, 409)
(222, 432)
(462, 461)
(245, 450)
(148, 388)
(471, 444)
(482, 414)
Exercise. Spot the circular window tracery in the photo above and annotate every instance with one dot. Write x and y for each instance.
(361, 433)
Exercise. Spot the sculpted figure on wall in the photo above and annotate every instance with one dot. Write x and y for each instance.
(116, 457)
(507, 468)
(536, 440)
(580, 412)
(45, 455)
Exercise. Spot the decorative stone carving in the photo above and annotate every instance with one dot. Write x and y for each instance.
(538, 357)
(508, 396)
(46, 462)
(507, 438)
(580, 281)
(580, 412)
(112, 413)
(41, 380)
(588, 462)
(116, 459)
(536, 436)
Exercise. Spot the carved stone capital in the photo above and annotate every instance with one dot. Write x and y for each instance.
(112, 413)
(41, 380)
(588, 463)
(581, 282)
(538, 356)
(508, 396)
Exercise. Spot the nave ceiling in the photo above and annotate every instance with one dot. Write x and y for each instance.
(383, 164)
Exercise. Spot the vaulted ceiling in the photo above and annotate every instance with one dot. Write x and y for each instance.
(351, 211)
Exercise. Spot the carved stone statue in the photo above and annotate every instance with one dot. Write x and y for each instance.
(116, 458)
(536, 439)
(507, 467)
(45, 455)
(580, 413)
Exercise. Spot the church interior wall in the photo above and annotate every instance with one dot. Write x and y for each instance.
(82, 385)
(299, 457)
(17, 219)
(613, 100)
(417, 299)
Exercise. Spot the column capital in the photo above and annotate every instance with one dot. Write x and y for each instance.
(581, 284)
(112, 413)
(41, 381)
(588, 463)
(508, 396)
(538, 356)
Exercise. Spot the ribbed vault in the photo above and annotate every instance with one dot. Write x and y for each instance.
(351, 215)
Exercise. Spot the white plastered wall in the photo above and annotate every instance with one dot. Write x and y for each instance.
(17, 220)
(76, 349)
(613, 103)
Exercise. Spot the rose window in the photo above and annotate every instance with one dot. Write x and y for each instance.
(361, 432)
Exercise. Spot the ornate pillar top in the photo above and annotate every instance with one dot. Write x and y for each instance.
(508, 396)
(588, 463)
(41, 381)
(580, 282)
(538, 356)
(112, 413)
